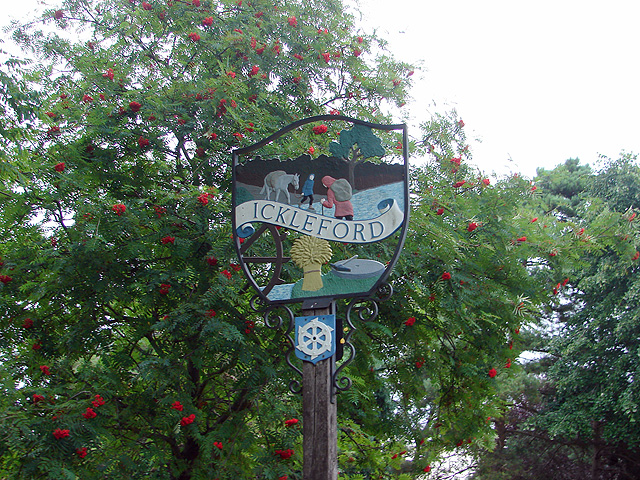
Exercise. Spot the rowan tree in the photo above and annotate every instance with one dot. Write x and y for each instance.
(119, 282)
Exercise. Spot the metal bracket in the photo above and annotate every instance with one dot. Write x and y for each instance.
(363, 309)
(275, 322)
(316, 303)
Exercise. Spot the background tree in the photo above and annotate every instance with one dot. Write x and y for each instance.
(481, 265)
(18, 105)
(578, 411)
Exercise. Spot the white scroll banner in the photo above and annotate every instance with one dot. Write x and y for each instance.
(303, 221)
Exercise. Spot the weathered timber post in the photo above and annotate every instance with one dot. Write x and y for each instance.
(319, 411)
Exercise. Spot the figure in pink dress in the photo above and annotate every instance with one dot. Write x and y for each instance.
(338, 197)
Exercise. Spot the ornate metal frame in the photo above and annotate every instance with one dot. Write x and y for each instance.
(278, 261)
(278, 315)
(362, 309)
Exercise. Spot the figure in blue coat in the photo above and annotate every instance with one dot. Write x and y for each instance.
(307, 191)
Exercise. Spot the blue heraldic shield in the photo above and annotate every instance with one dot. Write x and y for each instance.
(315, 337)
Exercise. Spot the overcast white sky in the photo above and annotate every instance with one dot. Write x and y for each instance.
(536, 82)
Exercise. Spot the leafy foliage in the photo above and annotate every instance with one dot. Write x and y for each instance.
(129, 348)
(579, 409)
(115, 233)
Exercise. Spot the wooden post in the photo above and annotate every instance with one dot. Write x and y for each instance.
(319, 411)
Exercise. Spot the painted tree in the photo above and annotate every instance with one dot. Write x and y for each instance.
(355, 146)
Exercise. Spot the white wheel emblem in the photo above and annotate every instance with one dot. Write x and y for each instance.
(314, 338)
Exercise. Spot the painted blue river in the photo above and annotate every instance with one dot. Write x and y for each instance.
(365, 203)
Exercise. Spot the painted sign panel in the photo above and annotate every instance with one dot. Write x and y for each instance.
(315, 337)
(319, 217)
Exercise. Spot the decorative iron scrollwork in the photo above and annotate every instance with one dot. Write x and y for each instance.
(276, 320)
(278, 317)
(365, 310)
